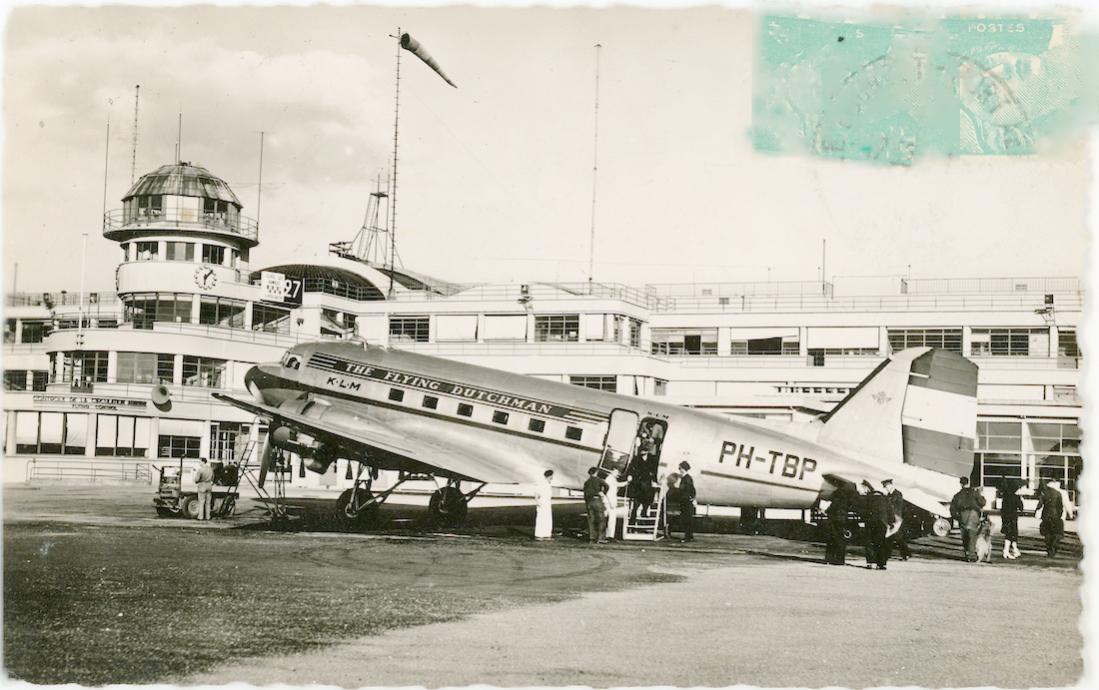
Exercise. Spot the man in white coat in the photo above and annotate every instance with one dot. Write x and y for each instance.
(612, 503)
(543, 496)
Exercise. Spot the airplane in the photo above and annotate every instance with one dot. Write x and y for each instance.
(912, 420)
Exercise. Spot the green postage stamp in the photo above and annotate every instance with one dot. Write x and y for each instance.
(889, 92)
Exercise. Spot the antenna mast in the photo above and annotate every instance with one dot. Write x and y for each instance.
(106, 160)
(594, 173)
(133, 152)
(393, 180)
(259, 185)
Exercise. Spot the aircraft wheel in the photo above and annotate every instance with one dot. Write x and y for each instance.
(448, 507)
(365, 518)
(189, 508)
(941, 527)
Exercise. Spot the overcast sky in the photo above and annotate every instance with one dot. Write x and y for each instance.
(496, 175)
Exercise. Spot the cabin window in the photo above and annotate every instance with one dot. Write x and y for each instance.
(536, 425)
(465, 410)
(396, 394)
(431, 402)
(573, 433)
(500, 417)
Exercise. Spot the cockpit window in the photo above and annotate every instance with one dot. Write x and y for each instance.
(291, 361)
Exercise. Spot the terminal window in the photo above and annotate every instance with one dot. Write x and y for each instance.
(145, 367)
(943, 338)
(1066, 343)
(680, 341)
(179, 251)
(1010, 342)
(219, 311)
(203, 372)
(599, 383)
(143, 309)
(39, 380)
(34, 331)
(213, 254)
(15, 380)
(148, 251)
(409, 329)
(169, 446)
(270, 319)
(88, 366)
(564, 328)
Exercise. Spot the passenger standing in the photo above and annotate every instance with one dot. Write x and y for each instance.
(896, 500)
(611, 498)
(965, 508)
(1010, 507)
(687, 500)
(836, 525)
(543, 521)
(879, 518)
(594, 488)
(639, 489)
(1052, 507)
(204, 481)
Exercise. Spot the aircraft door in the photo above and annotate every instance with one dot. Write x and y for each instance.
(619, 443)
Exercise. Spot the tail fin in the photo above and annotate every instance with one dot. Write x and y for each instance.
(918, 408)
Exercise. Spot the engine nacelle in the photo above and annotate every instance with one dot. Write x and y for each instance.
(318, 456)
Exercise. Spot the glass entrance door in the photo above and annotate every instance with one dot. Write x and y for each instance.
(620, 439)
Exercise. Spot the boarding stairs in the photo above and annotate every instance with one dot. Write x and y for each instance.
(647, 525)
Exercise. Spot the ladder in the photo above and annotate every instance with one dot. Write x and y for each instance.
(649, 528)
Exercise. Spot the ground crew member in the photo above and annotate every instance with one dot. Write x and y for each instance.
(1052, 507)
(543, 495)
(836, 526)
(204, 480)
(594, 488)
(611, 497)
(896, 500)
(965, 508)
(687, 500)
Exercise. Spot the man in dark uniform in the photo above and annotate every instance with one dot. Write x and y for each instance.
(1052, 507)
(965, 508)
(687, 501)
(836, 525)
(896, 500)
(594, 488)
(879, 517)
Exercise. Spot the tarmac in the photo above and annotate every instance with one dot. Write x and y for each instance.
(489, 606)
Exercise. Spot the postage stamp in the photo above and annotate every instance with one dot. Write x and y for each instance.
(889, 92)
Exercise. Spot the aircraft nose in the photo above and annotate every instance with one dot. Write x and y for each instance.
(258, 379)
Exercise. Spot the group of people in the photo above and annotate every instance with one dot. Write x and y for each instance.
(882, 508)
(882, 511)
(601, 501)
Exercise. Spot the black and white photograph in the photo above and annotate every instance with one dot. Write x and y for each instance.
(390, 345)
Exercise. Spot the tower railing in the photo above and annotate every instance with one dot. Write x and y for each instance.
(117, 220)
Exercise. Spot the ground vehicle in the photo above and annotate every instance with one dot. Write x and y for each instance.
(171, 499)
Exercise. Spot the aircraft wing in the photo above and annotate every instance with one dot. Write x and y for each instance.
(917, 497)
(420, 455)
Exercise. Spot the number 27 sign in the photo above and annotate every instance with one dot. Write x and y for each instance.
(276, 287)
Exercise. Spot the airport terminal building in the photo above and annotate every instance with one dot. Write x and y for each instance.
(190, 312)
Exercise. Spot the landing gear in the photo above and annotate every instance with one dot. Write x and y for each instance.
(941, 527)
(449, 505)
(359, 507)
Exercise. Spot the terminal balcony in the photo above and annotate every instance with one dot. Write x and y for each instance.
(121, 225)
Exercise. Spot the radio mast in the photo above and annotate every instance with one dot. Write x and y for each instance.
(133, 152)
(594, 174)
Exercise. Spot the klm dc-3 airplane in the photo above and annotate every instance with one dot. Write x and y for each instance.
(912, 420)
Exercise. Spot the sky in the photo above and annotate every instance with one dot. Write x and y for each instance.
(495, 177)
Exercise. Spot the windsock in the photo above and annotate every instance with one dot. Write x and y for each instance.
(413, 46)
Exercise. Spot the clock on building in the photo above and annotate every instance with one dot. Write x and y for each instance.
(205, 277)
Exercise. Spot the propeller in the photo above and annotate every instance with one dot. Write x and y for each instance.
(265, 457)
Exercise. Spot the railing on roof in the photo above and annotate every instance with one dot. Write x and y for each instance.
(55, 299)
(533, 292)
(809, 303)
(939, 286)
(769, 288)
(517, 347)
(118, 219)
(215, 332)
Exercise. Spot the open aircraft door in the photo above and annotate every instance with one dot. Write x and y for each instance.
(618, 446)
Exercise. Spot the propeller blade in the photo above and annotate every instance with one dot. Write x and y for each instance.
(265, 461)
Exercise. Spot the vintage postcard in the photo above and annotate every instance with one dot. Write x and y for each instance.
(391, 345)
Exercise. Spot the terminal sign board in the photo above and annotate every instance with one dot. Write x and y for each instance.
(276, 287)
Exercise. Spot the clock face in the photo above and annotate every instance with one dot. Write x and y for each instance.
(205, 277)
